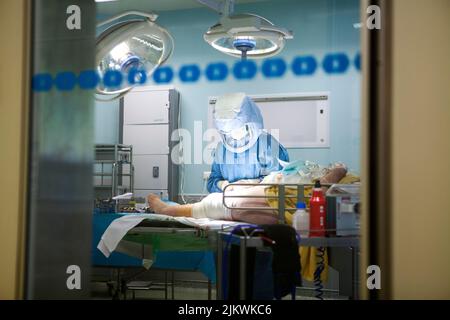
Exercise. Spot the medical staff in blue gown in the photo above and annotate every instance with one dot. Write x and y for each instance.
(246, 151)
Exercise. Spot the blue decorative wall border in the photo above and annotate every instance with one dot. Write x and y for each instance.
(273, 68)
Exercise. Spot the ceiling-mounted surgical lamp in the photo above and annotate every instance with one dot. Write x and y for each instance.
(245, 35)
(132, 48)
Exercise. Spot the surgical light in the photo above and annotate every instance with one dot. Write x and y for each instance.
(132, 49)
(247, 35)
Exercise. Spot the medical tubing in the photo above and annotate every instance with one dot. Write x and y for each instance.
(204, 190)
(320, 266)
(181, 152)
(225, 258)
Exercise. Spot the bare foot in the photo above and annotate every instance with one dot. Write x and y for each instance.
(155, 203)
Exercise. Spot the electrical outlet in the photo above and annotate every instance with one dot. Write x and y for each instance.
(206, 175)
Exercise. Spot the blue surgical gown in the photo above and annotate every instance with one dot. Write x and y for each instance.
(254, 163)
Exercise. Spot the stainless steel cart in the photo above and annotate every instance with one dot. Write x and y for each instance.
(113, 170)
(344, 251)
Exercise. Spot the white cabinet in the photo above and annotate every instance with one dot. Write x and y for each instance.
(149, 116)
(146, 107)
(147, 139)
(150, 171)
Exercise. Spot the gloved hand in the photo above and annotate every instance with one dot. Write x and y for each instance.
(222, 184)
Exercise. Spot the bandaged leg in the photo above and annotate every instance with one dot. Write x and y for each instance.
(211, 207)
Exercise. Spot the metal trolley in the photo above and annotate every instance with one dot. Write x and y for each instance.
(113, 170)
(347, 264)
(123, 285)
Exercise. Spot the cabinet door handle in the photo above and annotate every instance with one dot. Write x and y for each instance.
(155, 172)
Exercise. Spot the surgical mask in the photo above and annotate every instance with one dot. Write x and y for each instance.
(238, 139)
(239, 134)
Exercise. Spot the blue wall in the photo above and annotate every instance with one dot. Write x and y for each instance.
(320, 27)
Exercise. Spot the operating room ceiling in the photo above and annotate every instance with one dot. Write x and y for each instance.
(115, 7)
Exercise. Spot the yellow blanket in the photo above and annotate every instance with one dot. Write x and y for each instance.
(308, 255)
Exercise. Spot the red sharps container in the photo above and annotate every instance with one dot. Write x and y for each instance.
(317, 212)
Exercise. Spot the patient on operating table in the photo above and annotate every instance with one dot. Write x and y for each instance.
(212, 205)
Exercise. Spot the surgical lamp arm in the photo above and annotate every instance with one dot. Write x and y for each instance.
(150, 16)
(224, 7)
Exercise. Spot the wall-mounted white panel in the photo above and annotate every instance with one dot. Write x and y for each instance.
(297, 120)
(150, 171)
(147, 139)
(146, 107)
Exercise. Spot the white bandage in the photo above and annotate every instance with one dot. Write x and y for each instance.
(211, 207)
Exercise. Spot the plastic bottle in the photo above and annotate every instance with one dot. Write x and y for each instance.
(317, 212)
(300, 220)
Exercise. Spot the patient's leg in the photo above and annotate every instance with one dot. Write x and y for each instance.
(160, 207)
(252, 216)
(212, 207)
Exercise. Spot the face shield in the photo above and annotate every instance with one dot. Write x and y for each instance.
(238, 120)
